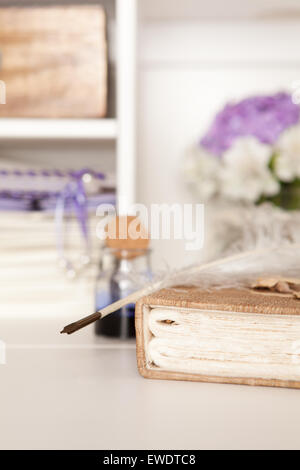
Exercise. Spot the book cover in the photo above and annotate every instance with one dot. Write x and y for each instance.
(237, 336)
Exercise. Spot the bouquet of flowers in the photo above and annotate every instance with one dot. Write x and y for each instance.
(250, 154)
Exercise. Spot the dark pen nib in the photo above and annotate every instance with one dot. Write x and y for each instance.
(70, 329)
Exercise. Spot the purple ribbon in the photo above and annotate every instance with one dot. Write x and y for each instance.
(74, 196)
(71, 199)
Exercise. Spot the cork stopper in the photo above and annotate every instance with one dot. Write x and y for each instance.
(127, 237)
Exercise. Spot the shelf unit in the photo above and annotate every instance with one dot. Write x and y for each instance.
(74, 129)
(120, 128)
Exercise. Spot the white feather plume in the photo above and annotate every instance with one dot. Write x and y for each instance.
(268, 246)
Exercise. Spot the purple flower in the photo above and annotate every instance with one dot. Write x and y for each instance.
(264, 117)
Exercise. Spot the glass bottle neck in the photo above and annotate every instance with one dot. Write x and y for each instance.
(133, 261)
(138, 263)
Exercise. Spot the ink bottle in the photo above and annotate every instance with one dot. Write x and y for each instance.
(122, 271)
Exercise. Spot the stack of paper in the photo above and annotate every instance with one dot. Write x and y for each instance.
(31, 279)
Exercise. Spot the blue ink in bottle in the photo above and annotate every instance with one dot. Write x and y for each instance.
(121, 273)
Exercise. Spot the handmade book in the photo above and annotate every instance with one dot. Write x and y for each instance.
(237, 336)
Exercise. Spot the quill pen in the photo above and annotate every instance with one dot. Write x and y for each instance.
(268, 245)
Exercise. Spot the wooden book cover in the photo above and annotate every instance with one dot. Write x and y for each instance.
(54, 61)
(224, 336)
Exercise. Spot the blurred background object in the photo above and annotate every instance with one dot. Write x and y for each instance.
(194, 58)
(249, 156)
(66, 121)
(53, 60)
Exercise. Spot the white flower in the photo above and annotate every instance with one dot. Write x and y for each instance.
(202, 172)
(287, 163)
(246, 175)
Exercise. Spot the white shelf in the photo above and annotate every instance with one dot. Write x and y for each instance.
(122, 25)
(73, 129)
(215, 9)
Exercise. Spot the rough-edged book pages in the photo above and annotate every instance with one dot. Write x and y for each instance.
(238, 337)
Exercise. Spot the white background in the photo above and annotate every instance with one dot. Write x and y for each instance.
(194, 58)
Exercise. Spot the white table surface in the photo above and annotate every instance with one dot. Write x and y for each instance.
(82, 392)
